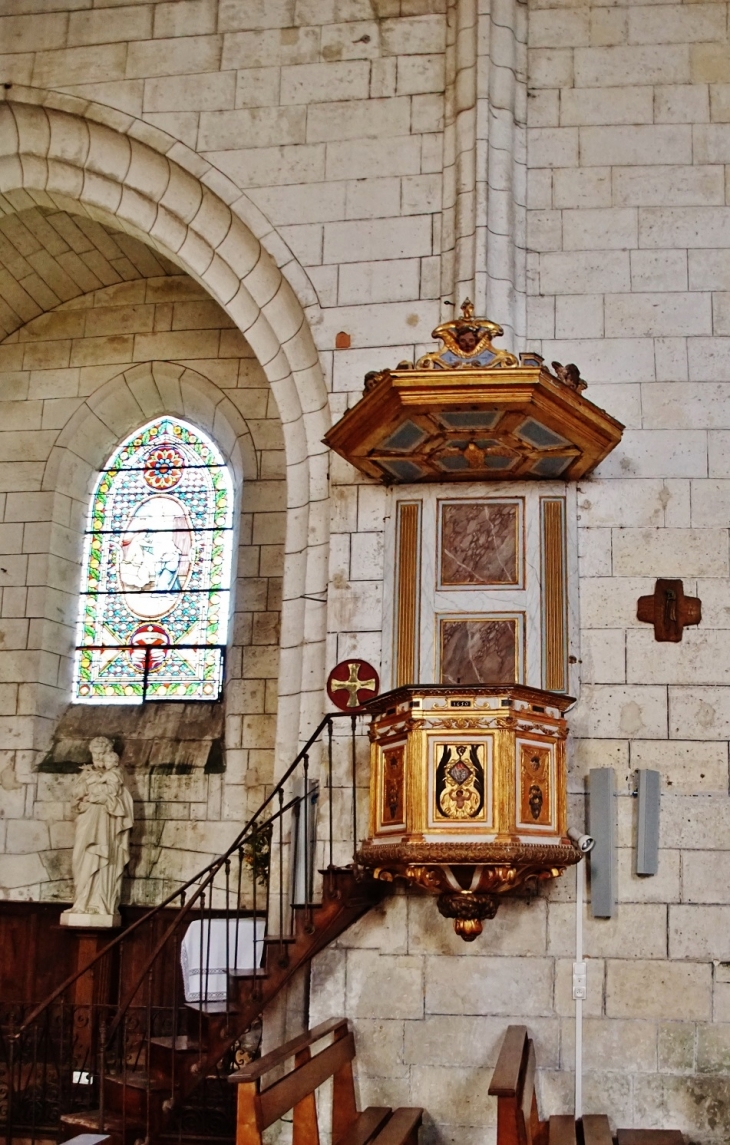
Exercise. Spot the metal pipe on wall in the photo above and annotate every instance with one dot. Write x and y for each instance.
(585, 845)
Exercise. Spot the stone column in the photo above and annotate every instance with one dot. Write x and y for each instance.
(483, 229)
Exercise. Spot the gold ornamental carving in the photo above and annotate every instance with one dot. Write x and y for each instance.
(467, 342)
(459, 787)
(535, 785)
(472, 410)
(469, 807)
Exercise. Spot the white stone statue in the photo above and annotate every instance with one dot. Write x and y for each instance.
(101, 845)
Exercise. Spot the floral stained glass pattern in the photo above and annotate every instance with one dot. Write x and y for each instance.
(156, 578)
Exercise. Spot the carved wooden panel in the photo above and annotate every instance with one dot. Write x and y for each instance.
(407, 592)
(392, 787)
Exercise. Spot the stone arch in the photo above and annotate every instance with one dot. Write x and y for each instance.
(118, 407)
(61, 152)
(129, 399)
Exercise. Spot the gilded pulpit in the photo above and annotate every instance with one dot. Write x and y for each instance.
(468, 794)
(482, 449)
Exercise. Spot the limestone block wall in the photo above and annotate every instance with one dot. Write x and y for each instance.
(628, 272)
(329, 115)
(628, 276)
(74, 382)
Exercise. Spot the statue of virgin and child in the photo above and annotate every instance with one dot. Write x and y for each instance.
(101, 844)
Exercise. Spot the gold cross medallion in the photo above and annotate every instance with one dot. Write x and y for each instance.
(347, 680)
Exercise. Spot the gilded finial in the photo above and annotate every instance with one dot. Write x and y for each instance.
(467, 344)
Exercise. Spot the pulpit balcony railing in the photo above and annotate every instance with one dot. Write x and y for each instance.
(140, 1041)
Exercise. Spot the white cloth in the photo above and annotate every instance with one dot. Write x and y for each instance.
(206, 965)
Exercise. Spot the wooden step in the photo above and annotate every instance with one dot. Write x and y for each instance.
(163, 1060)
(129, 1095)
(216, 1008)
(123, 1131)
(88, 1121)
(133, 1080)
(183, 1044)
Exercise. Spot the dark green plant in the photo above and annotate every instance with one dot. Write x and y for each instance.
(257, 854)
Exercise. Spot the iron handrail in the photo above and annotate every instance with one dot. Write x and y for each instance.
(184, 911)
(208, 873)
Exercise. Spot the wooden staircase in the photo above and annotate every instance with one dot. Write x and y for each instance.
(116, 1049)
(138, 1104)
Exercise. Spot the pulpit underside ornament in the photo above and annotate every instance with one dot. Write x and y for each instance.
(471, 411)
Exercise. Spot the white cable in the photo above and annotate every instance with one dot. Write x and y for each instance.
(579, 985)
(585, 845)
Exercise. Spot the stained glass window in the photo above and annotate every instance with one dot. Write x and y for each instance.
(156, 577)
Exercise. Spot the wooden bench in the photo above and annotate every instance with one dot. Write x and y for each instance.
(650, 1137)
(258, 1108)
(518, 1121)
(597, 1131)
(513, 1084)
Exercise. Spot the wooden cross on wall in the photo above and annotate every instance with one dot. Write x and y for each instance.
(669, 610)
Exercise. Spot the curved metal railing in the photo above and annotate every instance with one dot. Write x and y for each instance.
(120, 1013)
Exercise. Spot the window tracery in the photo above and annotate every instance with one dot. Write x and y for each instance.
(155, 594)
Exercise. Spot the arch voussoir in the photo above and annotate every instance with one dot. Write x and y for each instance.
(70, 155)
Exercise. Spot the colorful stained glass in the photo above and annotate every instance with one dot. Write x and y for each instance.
(156, 578)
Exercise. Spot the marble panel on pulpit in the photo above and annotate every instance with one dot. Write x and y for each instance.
(481, 650)
(480, 543)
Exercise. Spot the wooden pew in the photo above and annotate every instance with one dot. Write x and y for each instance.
(561, 1129)
(513, 1084)
(596, 1129)
(650, 1137)
(518, 1122)
(258, 1108)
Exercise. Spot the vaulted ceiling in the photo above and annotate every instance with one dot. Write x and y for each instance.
(48, 257)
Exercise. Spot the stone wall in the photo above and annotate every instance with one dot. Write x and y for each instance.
(628, 270)
(120, 355)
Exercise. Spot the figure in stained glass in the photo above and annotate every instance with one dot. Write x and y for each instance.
(156, 579)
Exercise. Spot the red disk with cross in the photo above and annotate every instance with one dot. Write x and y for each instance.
(351, 683)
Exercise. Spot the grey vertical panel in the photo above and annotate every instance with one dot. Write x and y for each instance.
(602, 826)
(647, 843)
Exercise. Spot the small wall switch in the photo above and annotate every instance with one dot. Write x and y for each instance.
(580, 981)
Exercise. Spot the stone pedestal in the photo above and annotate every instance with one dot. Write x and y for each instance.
(90, 921)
